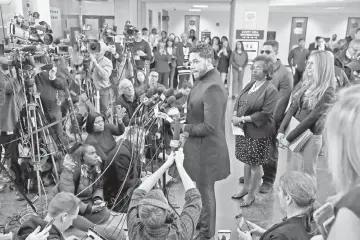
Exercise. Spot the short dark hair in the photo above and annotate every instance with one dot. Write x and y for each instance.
(357, 30)
(204, 50)
(301, 39)
(144, 29)
(273, 43)
(317, 38)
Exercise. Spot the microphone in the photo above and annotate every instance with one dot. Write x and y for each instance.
(178, 95)
(29, 48)
(168, 102)
(147, 97)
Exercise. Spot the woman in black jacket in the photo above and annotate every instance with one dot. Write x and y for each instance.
(296, 192)
(253, 113)
(309, 106)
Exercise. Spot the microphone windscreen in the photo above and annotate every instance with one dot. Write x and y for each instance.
(160, 90)
(29, 48)
(150, 92)
(171, 100)
(178, 95)
(169, 92)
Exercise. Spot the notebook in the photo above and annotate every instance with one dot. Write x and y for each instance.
(300, 141)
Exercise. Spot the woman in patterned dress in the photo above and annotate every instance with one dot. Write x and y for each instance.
(253, 113)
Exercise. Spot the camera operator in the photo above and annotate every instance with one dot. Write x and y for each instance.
(51, 84)
(141, 50)
(10, 107)
(101, 70)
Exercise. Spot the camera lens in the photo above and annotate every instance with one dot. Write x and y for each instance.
(130, 31)
(93, 46)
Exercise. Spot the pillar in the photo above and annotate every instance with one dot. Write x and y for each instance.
(248, 15)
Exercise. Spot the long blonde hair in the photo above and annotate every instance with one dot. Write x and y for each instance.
(313, 87)
(342, 136)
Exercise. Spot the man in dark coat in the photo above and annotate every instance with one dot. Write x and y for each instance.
(206, 151)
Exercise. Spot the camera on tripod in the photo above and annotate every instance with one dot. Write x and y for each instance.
(130, 32)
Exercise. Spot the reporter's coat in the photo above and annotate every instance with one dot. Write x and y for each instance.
(206, 152)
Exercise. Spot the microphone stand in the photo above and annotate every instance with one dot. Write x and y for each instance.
(163, 153)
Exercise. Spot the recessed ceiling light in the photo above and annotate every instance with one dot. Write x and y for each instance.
(332, 8)
(200, 6)
(194, 10)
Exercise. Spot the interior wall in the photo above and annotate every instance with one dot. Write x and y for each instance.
(319, 24)
(208, 21)
(155, 19)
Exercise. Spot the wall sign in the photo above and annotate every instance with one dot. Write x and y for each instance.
(250, 16)
(298, 30)
(250, 34)
(205, 34)
(252, 49)
(271, 35)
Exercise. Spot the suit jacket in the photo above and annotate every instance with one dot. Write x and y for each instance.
(312, 47)
(283, 81)
(206, 151)
(290, 229)
(260, 108)
(180, 53)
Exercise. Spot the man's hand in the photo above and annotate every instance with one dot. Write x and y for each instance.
(243, 235)
(240, 69)
(93, 58)
(37, 235)
(255, 229)
(52, 73)
(235, 120)
(97, 207)
(179, 158)
(141, 53)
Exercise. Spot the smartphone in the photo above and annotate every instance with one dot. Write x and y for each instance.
(224, 234)
(240, 220)
(324, 218)
(92, 234)
(49, 223)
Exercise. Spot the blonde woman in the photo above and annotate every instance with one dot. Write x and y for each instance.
(342, 136)
(310, 103)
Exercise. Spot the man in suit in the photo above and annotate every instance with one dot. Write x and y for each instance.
(314, 45)
(321, 46)
(206, 152)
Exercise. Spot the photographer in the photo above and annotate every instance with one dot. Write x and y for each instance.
(141, 50)
(101, 70)
(10, 105)
(149, 215)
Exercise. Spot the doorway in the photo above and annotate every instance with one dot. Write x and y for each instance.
(96, 23)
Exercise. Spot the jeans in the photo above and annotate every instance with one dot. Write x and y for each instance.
(270, 168)
(208, 213)
(164, 79)
(104, 101)
(297, 76)
(306, 159)
(237, 81)
(12, 152)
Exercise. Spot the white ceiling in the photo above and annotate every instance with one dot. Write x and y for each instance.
(301, 6)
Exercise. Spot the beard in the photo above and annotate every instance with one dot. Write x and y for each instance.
(201, 72)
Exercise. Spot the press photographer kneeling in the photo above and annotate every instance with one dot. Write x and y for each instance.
(150, 216)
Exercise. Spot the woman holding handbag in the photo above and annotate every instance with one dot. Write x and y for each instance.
(309, 106)
(253, 113)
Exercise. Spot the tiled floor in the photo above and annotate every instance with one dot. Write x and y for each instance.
(265, 211)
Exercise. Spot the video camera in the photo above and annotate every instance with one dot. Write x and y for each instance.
(130, 32)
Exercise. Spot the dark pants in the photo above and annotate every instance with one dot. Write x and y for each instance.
(270, 168)
(12, 152)
(298, 76)
(164, 78)
(208, 213)
(104, 101)
(54, 115)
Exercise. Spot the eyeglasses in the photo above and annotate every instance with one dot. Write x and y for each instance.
(257, 68)
(268, 52)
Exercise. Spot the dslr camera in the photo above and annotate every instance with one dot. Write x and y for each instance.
(93, 46)
(129, 31)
